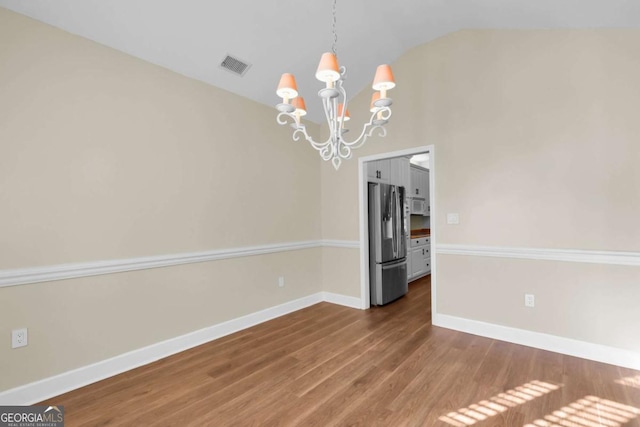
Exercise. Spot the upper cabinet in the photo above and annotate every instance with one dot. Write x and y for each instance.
(419, 190)
(378, 171)
(389, 171)
(399, 173)
(419, 182)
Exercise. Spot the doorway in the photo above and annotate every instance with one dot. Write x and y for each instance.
(364, 220)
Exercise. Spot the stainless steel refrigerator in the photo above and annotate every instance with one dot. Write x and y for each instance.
(387, 243)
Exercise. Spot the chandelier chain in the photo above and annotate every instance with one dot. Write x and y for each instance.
(335, 34)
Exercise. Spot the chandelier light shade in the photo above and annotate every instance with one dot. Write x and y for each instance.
(328, 70)
(335, 104)
(300, 109)
(384, 78)
(287, 88)
(347, 116)
(299, 105)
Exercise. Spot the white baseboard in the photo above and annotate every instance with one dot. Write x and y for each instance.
(568, 346)
(339, 299)
(71, 380)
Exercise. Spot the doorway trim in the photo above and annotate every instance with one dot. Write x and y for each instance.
(364, 220)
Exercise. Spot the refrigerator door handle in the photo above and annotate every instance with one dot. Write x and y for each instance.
(396, 237)
(395, 222)
(398, 224)
(394, 243)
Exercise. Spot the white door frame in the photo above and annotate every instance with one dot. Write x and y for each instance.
(364, 220)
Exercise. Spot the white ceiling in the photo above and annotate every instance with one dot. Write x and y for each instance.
(192, 37)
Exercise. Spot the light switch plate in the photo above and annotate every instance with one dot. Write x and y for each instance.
(453, 218)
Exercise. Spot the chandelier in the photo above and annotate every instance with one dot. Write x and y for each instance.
(334, 103)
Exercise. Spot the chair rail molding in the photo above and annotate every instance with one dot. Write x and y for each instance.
(567, 255)
(23, 276)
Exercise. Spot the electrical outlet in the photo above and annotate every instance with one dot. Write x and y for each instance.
(453, 218)
(281, 281)
(529, 300)
(19, 338)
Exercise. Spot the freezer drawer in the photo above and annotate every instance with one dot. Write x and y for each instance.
(389, 282)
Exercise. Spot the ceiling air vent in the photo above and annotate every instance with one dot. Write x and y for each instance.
(235, 65)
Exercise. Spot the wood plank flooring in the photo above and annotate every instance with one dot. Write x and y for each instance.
(329, 365)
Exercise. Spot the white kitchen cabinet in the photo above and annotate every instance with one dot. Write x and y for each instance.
(399, 172)
(417, 262)
(414, 175)
(427, 259)
(425, 189)
(420, 255)
(420, 187)
(389, 171)
(419, 182)
(378, 171)
(409, 260)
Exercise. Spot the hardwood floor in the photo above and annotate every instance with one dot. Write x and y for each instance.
(329, 365)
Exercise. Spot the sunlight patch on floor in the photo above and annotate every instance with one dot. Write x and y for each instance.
(630, 381)
(499, 403)
(590, 411)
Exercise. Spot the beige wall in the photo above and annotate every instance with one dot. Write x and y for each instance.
(338, 273)
(104, 156)
(536, 145)
(108, 156)
(541, 129)
(73, 323)
(587, 302)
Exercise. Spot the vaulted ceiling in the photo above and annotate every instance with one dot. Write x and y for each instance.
(192, 37)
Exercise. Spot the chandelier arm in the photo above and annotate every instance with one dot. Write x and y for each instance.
(344, 152)
(327, 113)
(342, 90)
(336, 148)
(325, 149)
(331, 112)
(281, 118)
(327, 153)
(369, 127)
(336, 121)
(301, 131)
(329, 148)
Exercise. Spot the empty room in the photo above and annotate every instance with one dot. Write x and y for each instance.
(331, 213)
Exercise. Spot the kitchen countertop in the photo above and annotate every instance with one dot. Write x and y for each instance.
(422, 232)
